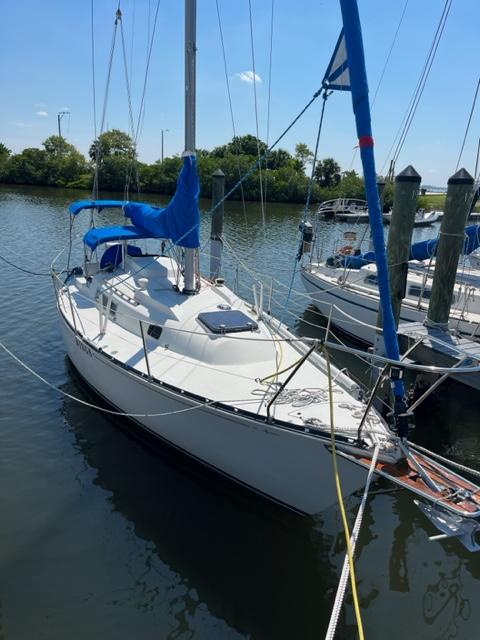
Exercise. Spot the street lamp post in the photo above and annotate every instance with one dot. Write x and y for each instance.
(162, 140)
(59, 118)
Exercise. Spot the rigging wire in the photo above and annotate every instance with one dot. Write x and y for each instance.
(404, 128)
(269, 97)
(98, 149)
(468, 126)
(253, 168)
(256, 112)
(141, 113)
(387, 60)
(130, 116)
(227, 81)
(309, 192)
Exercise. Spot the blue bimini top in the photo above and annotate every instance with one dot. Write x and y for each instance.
(179, 220)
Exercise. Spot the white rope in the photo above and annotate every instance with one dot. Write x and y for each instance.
(102, 409)
(353, 541)
(437, 456)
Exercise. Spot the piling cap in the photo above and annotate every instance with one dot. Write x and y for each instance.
(218, 172)
(408, 175)
(461, 177)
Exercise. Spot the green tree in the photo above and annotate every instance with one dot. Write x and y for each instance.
(112, 143)
(4, 157)
(114, 152)
(327, 172)
(247, 145)
(303, 154)
(351, 185)
(4, 152)
(64, 162)
(27, 167)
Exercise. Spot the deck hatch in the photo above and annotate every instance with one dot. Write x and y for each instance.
(155, 331)
(232, 321)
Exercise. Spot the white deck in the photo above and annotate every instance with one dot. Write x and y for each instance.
(219, 368)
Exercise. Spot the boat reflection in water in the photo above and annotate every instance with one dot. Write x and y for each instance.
(215, 557)
(205, 557)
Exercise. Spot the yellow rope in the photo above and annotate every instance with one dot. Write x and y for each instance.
(280, 360)
(278, 373)
(341, 502)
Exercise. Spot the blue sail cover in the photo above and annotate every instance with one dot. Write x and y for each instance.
(180, 219)
(419, 250)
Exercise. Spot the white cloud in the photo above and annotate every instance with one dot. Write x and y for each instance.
(21, 124)
(42, 114)
(248, 76)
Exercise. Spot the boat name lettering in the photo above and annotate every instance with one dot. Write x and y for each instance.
(83, 347)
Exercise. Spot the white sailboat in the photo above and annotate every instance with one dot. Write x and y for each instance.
(196, 366)
(345, 288)
(350, 298)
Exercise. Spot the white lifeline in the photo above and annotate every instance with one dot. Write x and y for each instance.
(213, 382)
(350, 298)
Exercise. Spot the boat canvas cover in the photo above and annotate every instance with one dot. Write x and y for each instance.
(180, 219)
(419, 250)
(76, 207)
(98, 236)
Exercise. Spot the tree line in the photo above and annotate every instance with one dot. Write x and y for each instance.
(113, 163)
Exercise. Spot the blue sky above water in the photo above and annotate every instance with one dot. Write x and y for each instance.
(46, 67)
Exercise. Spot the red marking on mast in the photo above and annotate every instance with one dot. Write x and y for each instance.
(365, 141)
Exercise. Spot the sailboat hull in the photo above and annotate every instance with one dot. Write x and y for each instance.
(356, 313)
(284, 465)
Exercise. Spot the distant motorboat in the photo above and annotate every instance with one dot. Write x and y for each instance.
(422, 218)
(344, 209)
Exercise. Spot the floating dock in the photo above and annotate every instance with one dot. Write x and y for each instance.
(441, 348)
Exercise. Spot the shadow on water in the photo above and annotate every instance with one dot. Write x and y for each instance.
(262, 569)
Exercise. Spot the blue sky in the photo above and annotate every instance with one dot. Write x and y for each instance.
(46, 67)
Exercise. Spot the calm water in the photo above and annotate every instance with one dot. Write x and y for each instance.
(104, 536)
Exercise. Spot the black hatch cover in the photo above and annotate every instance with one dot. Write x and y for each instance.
(232, 321)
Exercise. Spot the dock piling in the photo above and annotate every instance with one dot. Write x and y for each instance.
(407, 184)
(452, 236)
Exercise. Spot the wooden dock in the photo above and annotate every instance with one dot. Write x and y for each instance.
(442, 349)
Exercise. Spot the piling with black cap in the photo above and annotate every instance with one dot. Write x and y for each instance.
(216, 230)
(407, 184)
(452, 237)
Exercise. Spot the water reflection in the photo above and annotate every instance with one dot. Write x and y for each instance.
(212, 547)
(101, 537)
(444, 606)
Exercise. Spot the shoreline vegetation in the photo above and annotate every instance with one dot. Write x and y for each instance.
(285, 177)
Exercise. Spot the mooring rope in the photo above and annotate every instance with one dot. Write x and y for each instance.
(15, 266)
(342, 585)
(23, 364)
(341, 502)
